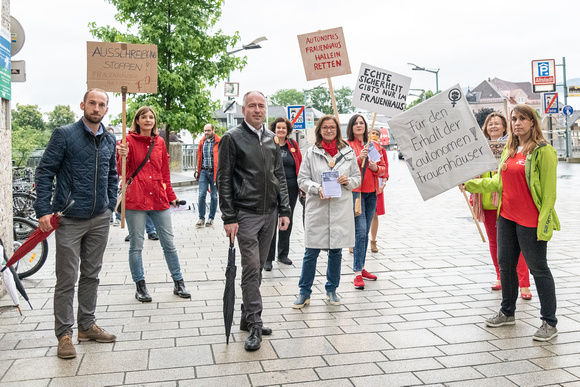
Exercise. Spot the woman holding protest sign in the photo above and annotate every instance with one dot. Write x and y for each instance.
(371, 170)
(329, 221)
(375, 135)
(526, 186)
(485, 207)
(291, 158)
(149, 192)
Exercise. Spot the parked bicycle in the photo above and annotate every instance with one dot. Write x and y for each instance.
(35, 259)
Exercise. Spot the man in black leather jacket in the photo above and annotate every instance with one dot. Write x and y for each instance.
(252, 195)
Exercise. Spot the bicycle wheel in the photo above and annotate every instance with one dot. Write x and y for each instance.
(34, 259)
(24, 205)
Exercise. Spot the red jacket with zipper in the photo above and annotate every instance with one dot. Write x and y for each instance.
(215, 156)
(151, 188)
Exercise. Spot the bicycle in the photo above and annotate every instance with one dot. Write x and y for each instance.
(34, 259)
(23, 205)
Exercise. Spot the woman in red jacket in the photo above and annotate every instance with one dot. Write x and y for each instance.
(150, 193)
(291, 158)
(358, 137)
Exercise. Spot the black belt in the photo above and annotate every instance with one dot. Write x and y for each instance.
(207, 169)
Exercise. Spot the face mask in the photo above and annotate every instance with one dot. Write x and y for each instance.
(374, 137)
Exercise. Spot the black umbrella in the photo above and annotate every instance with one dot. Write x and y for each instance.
(19, 286)
(230, 290)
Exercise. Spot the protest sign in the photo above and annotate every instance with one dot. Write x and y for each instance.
(497, 148)
(110, 66)
(380, 91)
(442, 143)
(324, 54)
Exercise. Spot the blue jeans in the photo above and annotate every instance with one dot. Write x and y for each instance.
(362, 226)
(309, 270)
(149, 226)
(511, 239)
(136, 223)
(205, 181)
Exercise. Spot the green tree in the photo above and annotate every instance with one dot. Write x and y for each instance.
(424, 96)
(24, 142)
(190, 59)
(319, 98)
(287, 97)
(482, 114)
(27, 117)
(60, 116)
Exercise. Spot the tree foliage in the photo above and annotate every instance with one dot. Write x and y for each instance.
(60, 116)
(319, 98)
(190, 59)
(287, 97)
(424, 96)
(28, 132)
(482, 114)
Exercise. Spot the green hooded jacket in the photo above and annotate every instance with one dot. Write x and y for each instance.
(540, 169)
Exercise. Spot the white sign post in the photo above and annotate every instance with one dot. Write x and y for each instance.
(442, 143)
(380, 91)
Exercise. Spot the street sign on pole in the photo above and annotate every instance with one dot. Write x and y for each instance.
(567, 110)
(544, 75)
(297, 117)
(550, 103)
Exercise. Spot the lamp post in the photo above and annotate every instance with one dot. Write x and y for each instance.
(250, 46)
(436, 72)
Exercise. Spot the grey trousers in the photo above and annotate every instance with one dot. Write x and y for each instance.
(254, 237)
(80, 243)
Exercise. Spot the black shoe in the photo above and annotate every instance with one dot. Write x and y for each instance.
(268, 266)
(127, 239)
(265, 330)
(253, 341)
(153, 236)
(179, 289)
(142, 294)
(285, 260)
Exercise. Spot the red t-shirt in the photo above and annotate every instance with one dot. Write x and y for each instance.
(517, 203)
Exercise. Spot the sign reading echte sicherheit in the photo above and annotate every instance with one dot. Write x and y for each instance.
(442, 143)
(380, 91)
(113, 65)
(324, 54)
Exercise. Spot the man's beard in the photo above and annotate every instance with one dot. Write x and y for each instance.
(92, 120)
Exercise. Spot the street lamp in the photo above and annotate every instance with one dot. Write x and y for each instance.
(250, 46)
(436, 72)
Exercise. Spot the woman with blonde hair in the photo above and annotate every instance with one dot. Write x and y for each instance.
(526, 184)
(495, 128)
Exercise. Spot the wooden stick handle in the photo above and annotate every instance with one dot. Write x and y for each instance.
(124, 158)
(473, 216)
(333, 98)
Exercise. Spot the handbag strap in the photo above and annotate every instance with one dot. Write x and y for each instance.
(130, 180)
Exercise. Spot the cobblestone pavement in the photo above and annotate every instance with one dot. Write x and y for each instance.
(421, 323)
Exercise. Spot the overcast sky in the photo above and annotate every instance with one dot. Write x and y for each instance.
(469, 41)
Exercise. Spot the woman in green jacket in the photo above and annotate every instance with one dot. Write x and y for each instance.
(526, 183)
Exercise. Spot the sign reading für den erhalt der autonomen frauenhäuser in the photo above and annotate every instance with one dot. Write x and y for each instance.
(442, 143)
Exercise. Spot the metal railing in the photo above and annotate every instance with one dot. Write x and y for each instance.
(189, 157)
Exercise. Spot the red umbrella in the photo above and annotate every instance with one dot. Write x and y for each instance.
(36, 237)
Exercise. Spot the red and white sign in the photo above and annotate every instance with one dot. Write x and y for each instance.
(543, 75)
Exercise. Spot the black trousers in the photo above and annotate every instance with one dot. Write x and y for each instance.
(284, 236)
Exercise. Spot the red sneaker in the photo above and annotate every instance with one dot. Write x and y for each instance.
(358, 282)
(369, 276)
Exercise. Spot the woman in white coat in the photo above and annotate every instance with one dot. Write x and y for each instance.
(329, 222)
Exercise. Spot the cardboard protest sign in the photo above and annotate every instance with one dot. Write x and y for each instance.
(442, 143)
(497, 148)
(380, 91)
(324, 54)
(113, 65)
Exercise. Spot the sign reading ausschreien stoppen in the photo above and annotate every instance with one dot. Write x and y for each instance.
(324, 54)
(111, 66)
(442, 143)
(380, 91)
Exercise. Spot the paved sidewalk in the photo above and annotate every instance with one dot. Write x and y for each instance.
(421, 323)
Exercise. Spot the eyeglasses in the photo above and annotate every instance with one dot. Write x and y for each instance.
(328, 128)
